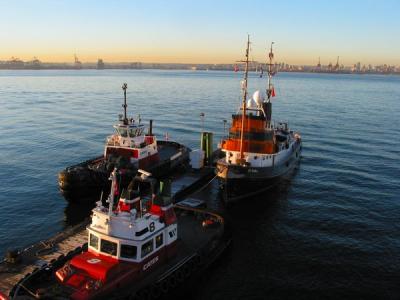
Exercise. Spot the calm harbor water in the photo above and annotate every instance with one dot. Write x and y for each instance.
(329, 230)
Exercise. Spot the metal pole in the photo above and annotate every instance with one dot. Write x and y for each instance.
(244, 98)
(124, 87)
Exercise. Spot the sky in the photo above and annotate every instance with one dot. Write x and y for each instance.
(201, 31)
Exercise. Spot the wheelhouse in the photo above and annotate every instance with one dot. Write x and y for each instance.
(127, 250)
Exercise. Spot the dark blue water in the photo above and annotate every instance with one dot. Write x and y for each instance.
(329, 230)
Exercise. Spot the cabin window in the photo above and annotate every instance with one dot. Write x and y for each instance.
(123, 132)
(108, 247)
(94, 241)
(147, 248)
(128, 251)
(132, 132)
(159, 240)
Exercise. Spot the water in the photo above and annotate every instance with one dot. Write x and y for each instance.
(330, 230)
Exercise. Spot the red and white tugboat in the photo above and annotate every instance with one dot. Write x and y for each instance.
(134, 249)
(258, 151)
(129, 149)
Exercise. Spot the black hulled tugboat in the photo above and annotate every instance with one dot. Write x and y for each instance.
(129, 149)
(257, 151)
(138, 247)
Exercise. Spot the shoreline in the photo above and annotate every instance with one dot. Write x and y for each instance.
(193, 70)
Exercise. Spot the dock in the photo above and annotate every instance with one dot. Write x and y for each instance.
(41, 254)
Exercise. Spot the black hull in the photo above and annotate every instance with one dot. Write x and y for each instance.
(239, 182)
(85, 181)
(236, 189)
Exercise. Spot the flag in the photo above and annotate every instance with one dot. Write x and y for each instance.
(273, 92)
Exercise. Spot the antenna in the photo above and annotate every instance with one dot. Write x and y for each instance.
(270, 89)
(124, 87)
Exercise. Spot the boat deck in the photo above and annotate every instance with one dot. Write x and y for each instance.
(40, 254)
(191, 181)
(167, 150)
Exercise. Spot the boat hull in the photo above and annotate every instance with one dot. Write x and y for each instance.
(238, 182)
(84, 182)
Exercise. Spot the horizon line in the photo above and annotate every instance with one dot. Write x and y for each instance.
(182, 63)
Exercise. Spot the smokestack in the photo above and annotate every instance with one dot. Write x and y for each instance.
(267, 106)
(151, 127)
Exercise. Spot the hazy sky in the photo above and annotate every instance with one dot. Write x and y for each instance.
(201, 31)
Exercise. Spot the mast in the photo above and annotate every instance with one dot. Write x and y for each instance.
(113, 178)
(124, 87)
(270, 88)
(244, 89)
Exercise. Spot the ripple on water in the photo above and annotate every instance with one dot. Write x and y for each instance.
(329, 230)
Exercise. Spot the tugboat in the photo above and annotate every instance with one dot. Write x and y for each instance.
(134, 249)
(129, 149)
(257, 151)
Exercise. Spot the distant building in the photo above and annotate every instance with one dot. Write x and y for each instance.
(100, 64)
(14, 64)
(77, 63)
(34, 64)
(330, 67)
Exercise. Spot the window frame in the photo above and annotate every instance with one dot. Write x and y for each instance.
(162, 240)
(111, 242)
(97, 242)
(130, 257)
(149, 252)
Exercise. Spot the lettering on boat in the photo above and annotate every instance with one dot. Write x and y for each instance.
(172, 233)
(93, 261)
(150, 263)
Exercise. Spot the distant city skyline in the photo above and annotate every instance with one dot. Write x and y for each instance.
(201, 32)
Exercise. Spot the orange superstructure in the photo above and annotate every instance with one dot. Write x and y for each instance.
(257, 136)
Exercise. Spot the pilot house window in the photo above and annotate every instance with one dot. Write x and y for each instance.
(108, 247)
(94, 241)
(147, 248)
(159, 240)
(128, 251)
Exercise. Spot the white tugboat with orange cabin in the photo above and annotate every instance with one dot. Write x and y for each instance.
(258, 151)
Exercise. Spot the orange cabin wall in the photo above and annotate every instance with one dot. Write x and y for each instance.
(249, 124)
(267, 147)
